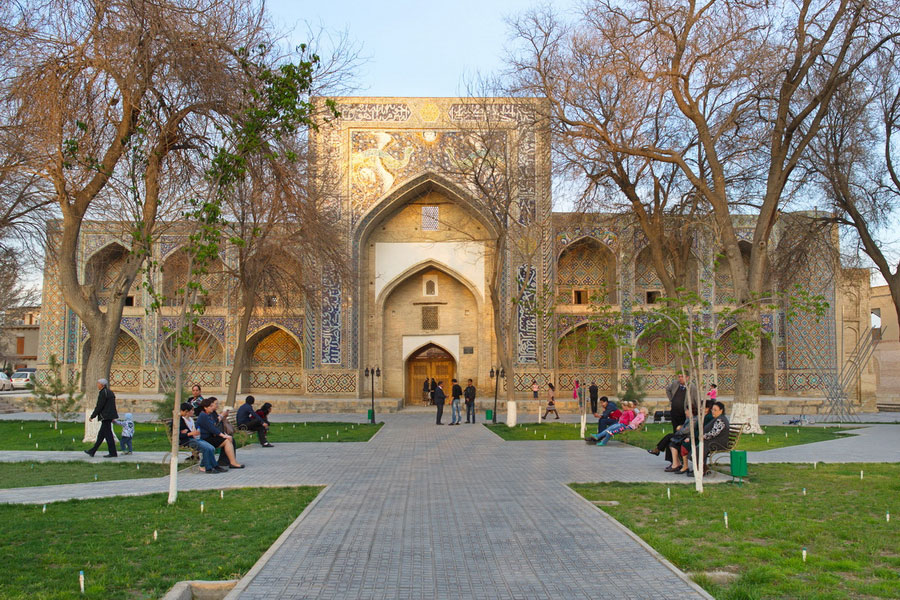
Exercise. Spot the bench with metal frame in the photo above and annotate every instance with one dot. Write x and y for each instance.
(734, 435)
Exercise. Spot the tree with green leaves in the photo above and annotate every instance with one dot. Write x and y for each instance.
(54, 394)
(274, 108)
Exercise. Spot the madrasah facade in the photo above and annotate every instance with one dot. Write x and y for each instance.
(420, 306)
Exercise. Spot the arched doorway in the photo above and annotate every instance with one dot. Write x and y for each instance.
(427, 362)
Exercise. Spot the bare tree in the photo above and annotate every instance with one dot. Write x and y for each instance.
(751, 82)
(121, 100)
(856, 161)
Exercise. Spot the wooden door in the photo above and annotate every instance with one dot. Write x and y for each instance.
(429, 362)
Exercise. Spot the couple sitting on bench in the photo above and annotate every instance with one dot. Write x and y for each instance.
(677, 445)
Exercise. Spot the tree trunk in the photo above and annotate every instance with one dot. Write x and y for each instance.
(240, 352)
(745, 408)
(176, 415)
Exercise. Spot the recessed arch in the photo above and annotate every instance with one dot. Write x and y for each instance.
(646, 279)
(424, 266)
(585, 268)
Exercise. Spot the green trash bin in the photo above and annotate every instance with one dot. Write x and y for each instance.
(371, 415)
(738, 465)
(489, 415)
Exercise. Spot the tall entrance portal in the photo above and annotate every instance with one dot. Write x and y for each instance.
(430, 361)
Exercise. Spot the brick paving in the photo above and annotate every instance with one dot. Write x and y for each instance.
(437, 512)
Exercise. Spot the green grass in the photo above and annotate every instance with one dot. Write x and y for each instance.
(852, 549)
(111, 540)
(27, 474)
(14, 435)
(651, 434)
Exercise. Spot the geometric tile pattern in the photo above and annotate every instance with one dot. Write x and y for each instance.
(584, 265)
(657, 352)
(277, 349)
(127, 352)
(337, 382)
(276, 379)
(579, 348)
(527, 321)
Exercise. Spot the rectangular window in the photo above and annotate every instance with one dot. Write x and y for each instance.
(20, 345)
(129, 300)
(430, 216)
(581, 296)
(429, 317)
(653, 297)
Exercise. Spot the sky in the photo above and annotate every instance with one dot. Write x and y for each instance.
(413, 48)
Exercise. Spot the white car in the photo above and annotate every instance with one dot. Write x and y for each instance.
(5, 383)
(21, 378)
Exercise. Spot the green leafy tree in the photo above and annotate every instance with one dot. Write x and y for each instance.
(52, 394)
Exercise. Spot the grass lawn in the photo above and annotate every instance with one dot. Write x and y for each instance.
(27, 474)
(14, 435)
(111, 540)
(852, 549)
(651, 434)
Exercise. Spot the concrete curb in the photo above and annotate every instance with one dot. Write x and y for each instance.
(199, 590)
(247, 579)
(652, 551)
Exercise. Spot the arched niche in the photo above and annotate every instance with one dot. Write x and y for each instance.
(175, 271)
(656, 351)
(274, 361)
(647, 284)
(103, 268)
(125, 371)
(586, 270)
(410, 319)
(581, 354)
(428, 361)
(202, 363)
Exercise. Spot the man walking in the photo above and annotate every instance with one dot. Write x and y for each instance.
(439, 398)
(680, 394)
(106, 410)
(470, 402)
(455, 393)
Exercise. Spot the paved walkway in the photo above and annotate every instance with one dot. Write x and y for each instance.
(438, 512)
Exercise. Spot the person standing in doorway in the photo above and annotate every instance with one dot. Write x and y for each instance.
(455, 393)
(432, 389)
(439, 398)
(106, 411)
(593, 396)
(426, 392)
(469, 395)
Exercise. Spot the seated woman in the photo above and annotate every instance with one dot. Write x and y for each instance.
(715, 432)
(189, 435)
(211, 434)
(264, 411)
(635, 423)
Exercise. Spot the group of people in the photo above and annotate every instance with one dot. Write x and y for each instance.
(613, 421)
(200, 427)
(433, 393)
(676, 446)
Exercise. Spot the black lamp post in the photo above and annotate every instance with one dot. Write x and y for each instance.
(376, 372)
(498, 374)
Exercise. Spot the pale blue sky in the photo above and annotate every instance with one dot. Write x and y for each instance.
(413, 48)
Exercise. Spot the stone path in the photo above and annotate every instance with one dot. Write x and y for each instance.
(438, 512)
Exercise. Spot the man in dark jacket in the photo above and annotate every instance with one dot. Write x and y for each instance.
(469, 395)
(106, 411)
(249, 420)
(439, 398)
(610, 414)
(593, 392)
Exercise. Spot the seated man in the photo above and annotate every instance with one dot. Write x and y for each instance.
(633, 424)
(189, 435)
(249, 420)
(609, 416)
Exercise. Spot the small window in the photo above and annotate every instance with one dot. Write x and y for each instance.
(129, 300)
(430, 215)
(653, 297)
(581, 297)
(429, 317)
(430, 285)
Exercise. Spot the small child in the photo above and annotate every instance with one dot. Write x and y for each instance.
(127, 425)
(713, 392)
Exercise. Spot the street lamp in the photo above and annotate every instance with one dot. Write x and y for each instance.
(498, 373)
(376, 372)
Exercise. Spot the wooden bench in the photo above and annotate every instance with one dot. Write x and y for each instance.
(195, 454)
(734, 435)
